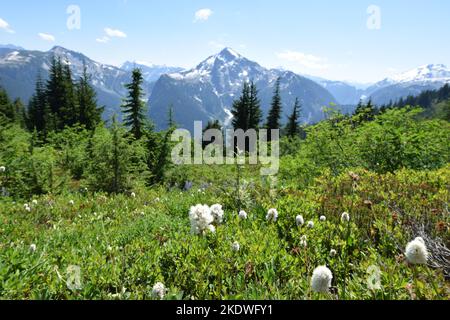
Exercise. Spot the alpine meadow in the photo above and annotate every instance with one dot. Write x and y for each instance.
(213, 177)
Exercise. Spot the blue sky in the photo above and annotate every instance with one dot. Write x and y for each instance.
(325, 38)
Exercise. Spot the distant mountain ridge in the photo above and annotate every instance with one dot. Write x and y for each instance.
(151, 72)
(207, 91)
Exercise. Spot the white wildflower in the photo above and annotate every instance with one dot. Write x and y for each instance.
(236, 246)
(303, 241)
(2, 169)
(321, 279)
(333, 253)
(27, 207)
(32, 247)
(72, 203)
(299, 220)
(416, 252)
(345, 217)
(159, 291)
(133, 195)
(34, 202)
(217, 213)
(272, 215)
(211, 228)
(243, 215)
(323, 218)
(310, 224)
(200, 217)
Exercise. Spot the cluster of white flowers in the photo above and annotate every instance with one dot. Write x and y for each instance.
(236, 246)
(242, 215)
(201, 219)
(2, 169)
(321, 279)
(159, 291)
(217, 213)
(323, 218)
(311, 224)
(345, 217)
(272, 215)
(303, 241)
(27, 207)
(416, 251)
(299, 220)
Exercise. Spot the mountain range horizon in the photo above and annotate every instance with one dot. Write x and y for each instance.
(207, 90)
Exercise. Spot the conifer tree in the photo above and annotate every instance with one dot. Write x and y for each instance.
(133, 106)
(240, 109)
(254, 108)
(89, 113)
(274, 117)
(39, 109)
(171, 121)
(292, 127)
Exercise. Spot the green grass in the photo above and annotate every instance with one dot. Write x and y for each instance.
(123, 245)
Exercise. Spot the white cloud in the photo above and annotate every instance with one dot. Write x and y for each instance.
(104, 39)
(46, 37)
(114, 33)
(5, 26)
(203, 15)
(306, 60)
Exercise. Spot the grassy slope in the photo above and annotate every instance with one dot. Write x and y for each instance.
(124, 244)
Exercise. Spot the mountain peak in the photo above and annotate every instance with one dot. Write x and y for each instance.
(426, 73)
(229, 54)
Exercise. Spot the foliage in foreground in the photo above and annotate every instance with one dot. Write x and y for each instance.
(126, 243)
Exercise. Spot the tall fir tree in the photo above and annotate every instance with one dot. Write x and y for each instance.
(69, 109)
(240, 109)
(90, 115)
(39, 112)
(171, 124)
(274, 117)
(293, 127)
(254, 108)
(133, 107)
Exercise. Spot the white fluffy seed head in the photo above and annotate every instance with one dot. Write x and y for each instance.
(201, 219)
(242, 215)
(321, 279)
(416, 252)
(236, 246)
(310, 224)
(345, 217)
(323, 218)
(217, 213)
(32, 247)
(333, 253)
(272, 215)
(211, 228)
(2, 169)
(159, 291)
(299, 220)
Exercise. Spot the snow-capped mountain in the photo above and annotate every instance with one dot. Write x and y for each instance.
(20, 68)
(207, 91)
(151, 72)
(412, 82)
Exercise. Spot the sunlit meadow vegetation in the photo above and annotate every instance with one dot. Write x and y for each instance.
(81, 220)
